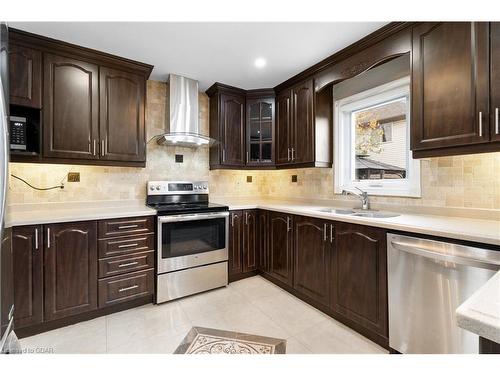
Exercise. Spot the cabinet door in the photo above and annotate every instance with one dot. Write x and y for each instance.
(28, 270)
(312, 253)
(303, 122)
(235, 263)
(280, 247)
(495, 80)
(121, 116)
(259, 131)
(25, 76)
(250, 250)
(263, 240)
(233, 129)
(70, 273)
(284, 135)
(71, 105)
(449, 85)
(359, 283)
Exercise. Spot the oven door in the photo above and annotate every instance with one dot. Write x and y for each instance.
(191, 240)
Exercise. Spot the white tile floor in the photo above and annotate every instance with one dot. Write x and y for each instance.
(253, 306)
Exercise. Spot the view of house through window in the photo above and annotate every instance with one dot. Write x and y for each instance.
(380, 133)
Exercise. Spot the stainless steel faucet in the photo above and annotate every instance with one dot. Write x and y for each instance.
(365, 203)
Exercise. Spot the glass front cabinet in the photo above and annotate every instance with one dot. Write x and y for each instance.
(260, 131)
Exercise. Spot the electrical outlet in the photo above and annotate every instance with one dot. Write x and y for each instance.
(249, 178)
(74, 177)
(179, 158)
(294, 178)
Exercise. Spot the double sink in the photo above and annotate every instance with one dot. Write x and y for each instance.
(359, 213)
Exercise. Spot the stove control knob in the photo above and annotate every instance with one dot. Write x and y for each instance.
(205, 187)
(158, 188)
(151, 188)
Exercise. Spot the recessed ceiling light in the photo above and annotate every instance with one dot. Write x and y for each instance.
(260, 62)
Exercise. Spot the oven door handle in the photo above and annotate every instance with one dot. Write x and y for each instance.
(192, 217)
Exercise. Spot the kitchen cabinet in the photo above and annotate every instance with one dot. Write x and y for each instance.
(359, 283)
(281, 247)
(243, 124)
(70, 269)
(243, 244)
(313, 244)
(93, 104)
(283, 127)
(71, 108)
(495, 81)
(235, 242)
(250, 241)
(263, 239)
(295, 130)
(259, 131)
(450, 81)
(122, 98)
(25, 76)
(27, 247)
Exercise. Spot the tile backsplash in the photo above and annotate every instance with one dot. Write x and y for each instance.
(470, 181)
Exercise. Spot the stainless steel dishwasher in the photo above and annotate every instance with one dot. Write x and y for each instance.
(427, 281)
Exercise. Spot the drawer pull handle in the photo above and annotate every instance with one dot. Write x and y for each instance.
(128, 245)
(128, 226)
(127, 264)
(128, 288)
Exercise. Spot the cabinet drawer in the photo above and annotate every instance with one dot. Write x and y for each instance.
(125, 287)
(126, 245)
(126, 226)
(126, 263)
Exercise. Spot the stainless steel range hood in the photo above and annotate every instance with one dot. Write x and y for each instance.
(181, 116)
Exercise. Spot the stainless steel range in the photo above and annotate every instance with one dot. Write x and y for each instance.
(192, 239)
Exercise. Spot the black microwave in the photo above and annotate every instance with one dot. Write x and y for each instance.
(18, 136)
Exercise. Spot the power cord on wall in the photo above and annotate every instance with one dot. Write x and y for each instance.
(61, 186)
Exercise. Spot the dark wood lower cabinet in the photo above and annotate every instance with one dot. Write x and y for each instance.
(70, 260)
(28, 270)
(235, 266)
(359, 284)
(312, 254)
(243, 244)
(280, 247)
(250, 250)
(263, 239)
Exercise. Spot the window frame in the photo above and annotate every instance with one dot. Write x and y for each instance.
(344, 141)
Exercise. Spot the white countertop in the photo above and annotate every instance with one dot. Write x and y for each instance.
(46, 213)
(476, 230)
(480, 313)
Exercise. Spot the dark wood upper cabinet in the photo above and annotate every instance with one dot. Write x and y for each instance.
(284, 134)
(250, 241)
(359, 284)
(312, 254)
(25, 76)
(71, 108)
(27, 247)
(122, 97)
(232, 109)
(70, 274)
(92, 103)
(303, 123)
(450, 67)
(281, 247)
(235, 263)
(495, 81)
(259, 131)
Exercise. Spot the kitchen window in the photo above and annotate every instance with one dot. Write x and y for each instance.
(372, 142)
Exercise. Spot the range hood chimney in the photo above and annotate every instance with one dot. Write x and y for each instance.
(181, 115)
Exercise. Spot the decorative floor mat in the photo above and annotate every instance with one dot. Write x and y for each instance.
(201, 340)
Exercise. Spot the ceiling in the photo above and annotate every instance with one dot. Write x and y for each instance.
(210, 52)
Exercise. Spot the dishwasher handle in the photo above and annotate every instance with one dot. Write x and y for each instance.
(465, 260)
